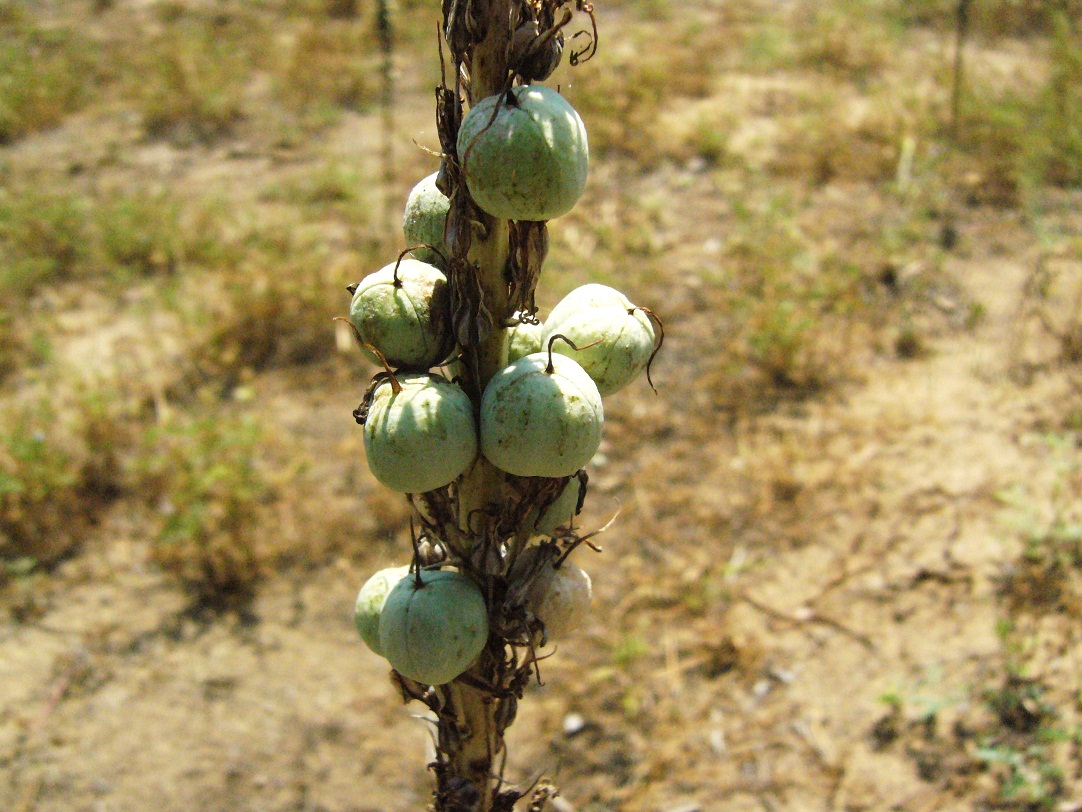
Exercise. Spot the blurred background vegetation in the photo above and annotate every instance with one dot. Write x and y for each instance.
(188, 186)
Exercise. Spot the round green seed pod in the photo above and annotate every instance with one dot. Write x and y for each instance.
(524, 153)
(523, 339)
(616, 343)
(421, 437)
(432, 633)
(405, 315)
(369, 605)
(425, 219)
(541, 421)
(562, 510)
(590, 296)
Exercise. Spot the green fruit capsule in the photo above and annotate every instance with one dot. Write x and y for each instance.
(590, 296)
(370, 602)
(421, 437)
(616, 343)
(563, 509)
(425, 219)
(541, 416)
(404, 311)
(524, 153)
(431, 632)
(523, 338)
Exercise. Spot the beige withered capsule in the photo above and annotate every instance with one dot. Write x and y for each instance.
(560, 597)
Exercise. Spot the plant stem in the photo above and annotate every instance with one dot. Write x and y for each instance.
(470, 736)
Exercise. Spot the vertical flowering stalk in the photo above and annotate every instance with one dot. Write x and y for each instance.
(491, 450)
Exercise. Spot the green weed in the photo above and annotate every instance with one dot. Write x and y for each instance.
(789, 312)
(45, 73)
(201, 477)
(45, 233)
(1021, 752)
(624, 103)
(1047, 576)
(1015, 140)
(56, 474)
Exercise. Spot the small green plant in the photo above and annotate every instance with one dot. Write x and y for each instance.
(203, 484)
(57, 472)
(46, 73)
(1047, 575)
(1019, 751)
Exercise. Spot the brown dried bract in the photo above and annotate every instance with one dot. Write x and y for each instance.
(529, 247)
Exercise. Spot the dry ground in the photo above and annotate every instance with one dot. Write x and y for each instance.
(846, 570)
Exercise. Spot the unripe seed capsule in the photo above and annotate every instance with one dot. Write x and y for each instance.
(433, 626)
(425, 220)
(421, 437)
(524, 153)
(616, 343)
(591, 295)
(369, 605)
(541, 416)
(523, 338)
(562, 510)
(404, 311)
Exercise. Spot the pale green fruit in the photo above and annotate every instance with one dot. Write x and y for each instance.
(559, 597)
(562, 510)
(591, 295)
(523, 339)
(408, 320)
(616, 343)
(422, 437)
(431, 634)
(526, 157)
(370, 602)
(541, 422)
(425, 219)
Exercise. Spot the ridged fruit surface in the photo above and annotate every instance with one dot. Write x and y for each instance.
(524, 153)
(425, 219)
(422, 437)
(540, 423)
(369, 605)
(433, 632)
(405, 315)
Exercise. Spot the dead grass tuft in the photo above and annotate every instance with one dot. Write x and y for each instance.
(329, 64)
(624, 101)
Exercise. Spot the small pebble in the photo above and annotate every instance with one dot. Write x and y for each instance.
(574, 723)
